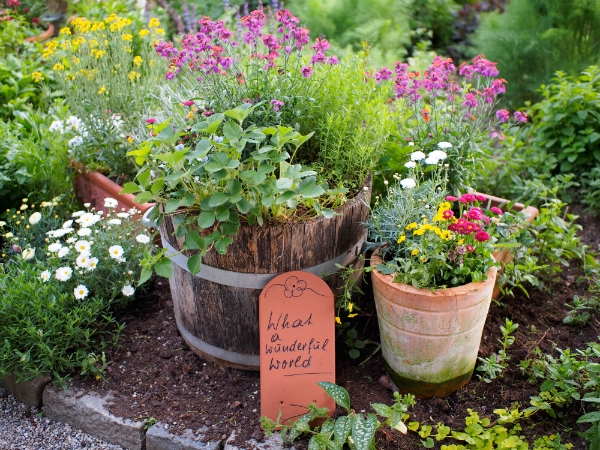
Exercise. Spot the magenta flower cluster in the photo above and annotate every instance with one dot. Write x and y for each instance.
(474, 220)
(212, 50)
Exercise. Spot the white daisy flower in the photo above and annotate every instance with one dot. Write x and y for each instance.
(120, 259)
(410, 164)
(115, 251)
(28, 254)
(134, 211)
(57, 125)
(431, 161)
(80, 292)
(83, 261)
(84, 232)
(123, 215)
(75, 142)
(411, 144)
(114, 222)
(73, 122)
(128, 290)
(444, 145)
(417, 156)
(2, 223)
(64, 251)
(78, 213)
(438, 154)
(92, 263)
(110, 203)
(63, 273)
(8, 235)
(35, 218)
(54, 247)
(45, 275)
(67, 224)
(408, 183)
(88, 219)
(83, 246)
(71, 240)
(142, 239)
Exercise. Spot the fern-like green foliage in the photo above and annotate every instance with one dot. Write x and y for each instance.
(533, 39)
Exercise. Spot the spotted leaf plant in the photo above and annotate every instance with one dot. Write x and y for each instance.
(355, 429)
(217, 174)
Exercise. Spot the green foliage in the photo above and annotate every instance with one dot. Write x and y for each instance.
(354, 429)
(494, 365)
(579, 311)
(534, 38)
(504, 432)
(13, 31)
(591, 190)
(44, 329)
(231, 172)
(565, 122)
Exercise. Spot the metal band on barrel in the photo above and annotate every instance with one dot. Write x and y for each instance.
(260, 280)
(211, 350)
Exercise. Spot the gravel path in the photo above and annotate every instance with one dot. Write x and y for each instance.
(22, 428)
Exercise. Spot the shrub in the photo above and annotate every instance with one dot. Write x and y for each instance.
(534, 38)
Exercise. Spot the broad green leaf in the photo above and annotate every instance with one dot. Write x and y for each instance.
(267, 201)
(328, 213)
(221, 244)
(213, 123)
(229, 228)
(235, 187)
(287, 195)
(188, 200)
(382, 410)
(174, 176)
(157, 185)
(594, 137)
(232, 131)
(312, 190)
(266, 168)
(590, 417)
(218, 199)
(243, 206)
(284, 184)
(193, 241)
(222, 213)
(144, 178)
(194, 263)
(363, 431)
(143, 197)
(337, 393)
(164, 267)
(206, 219)
(172, 205)
(130, 188)
(342, 429)
(144, 276)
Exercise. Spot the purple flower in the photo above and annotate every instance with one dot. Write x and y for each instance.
(306, 71)
(383, 74)
(333, 60)
(502, 115)
(276, 104)
(271, 42)
(169, 75)
(521, 116)
(470, 100)
(461, 250)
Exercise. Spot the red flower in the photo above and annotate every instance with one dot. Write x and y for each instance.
(425, 114)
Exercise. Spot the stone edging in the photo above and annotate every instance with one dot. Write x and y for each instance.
(87, 412)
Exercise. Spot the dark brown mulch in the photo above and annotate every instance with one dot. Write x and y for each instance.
(154, 374)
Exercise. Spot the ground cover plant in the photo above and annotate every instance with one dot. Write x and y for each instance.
(61, 274)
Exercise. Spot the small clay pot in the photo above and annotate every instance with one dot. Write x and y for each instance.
(43, 36)
(430, 340)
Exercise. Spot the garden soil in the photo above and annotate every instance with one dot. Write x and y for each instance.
(154, 375)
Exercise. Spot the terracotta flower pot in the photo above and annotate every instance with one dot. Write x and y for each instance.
(43, 36)
(93, 187)
(430, 340)
(505, 256)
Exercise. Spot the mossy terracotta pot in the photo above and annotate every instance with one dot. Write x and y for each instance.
(430, 340)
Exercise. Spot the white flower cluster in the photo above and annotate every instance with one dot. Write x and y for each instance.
(84, 261)
(433, 158)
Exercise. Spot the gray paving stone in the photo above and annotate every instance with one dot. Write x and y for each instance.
(28, 392)
(88, 413)
(159, 438)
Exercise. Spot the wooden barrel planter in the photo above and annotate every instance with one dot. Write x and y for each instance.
(216, 310)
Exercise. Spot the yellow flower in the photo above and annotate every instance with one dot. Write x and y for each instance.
(445, 235)
(138, 61)
(445, 205)
(58, 67)
(127, 37)
(129, 139)
(337, 320)
(70, 76)
(191, 115)
(65, 30)
(37, 77)
(75, 60)
(102, 90)
(423, 260)
(420, 231)
(133, 75)
(98, 53)
(412, 226)
(94, 43)
(144, 32)
(97, 26)
(159, 31)
(401, 239)
(154, 23)
(350, 306)
(415, 252)
(82, 24)
(112, 18)
(461, 241)
(350, 316)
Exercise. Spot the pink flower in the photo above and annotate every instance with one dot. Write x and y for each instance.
(383, 74)
(470, 248)
(502, 115)
(467, 198)
(480, 198)
(521, 116)
(450, 198)
(482, 236)
(496, 210)
(461, 250)
(333, 61)
(151, 120)
(474, 214)
(447, 214)
(276, 104)
(188, 103)
(306, 71)
(169, 75)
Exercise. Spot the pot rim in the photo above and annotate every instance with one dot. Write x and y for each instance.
(426, 292)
